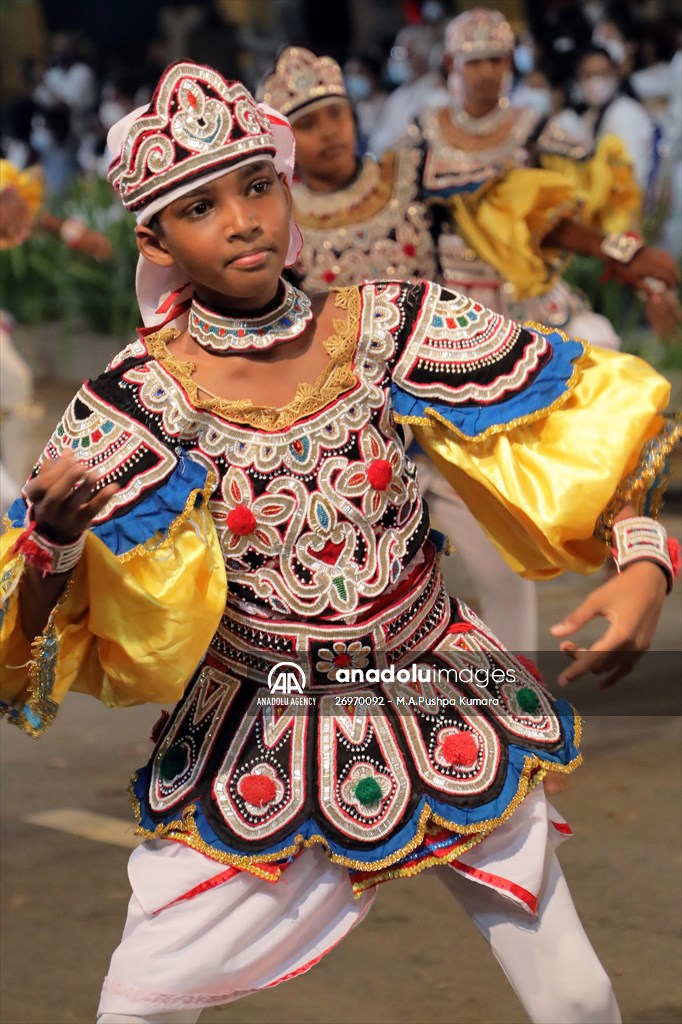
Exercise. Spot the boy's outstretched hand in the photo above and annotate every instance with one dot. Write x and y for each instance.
(66, 498)
(631, 603)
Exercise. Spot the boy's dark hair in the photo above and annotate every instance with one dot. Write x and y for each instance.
(155, 224)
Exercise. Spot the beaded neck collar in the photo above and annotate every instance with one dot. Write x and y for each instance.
(486, 124)
(222, 335)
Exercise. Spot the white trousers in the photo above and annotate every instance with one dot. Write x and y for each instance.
(245, 934)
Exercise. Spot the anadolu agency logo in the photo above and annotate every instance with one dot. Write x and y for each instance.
(286, 678)
(286, 684)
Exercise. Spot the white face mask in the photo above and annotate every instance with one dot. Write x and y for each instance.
(599, 89)
(538, 99)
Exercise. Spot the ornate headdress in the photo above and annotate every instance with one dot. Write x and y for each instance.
(197, 122)
(477, 34)
(301, 79)
(197, 127)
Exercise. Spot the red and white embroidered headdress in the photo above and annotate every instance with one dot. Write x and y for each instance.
(197, 127)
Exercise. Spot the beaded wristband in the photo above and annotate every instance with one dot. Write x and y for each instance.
(642, 539)
(46, 556)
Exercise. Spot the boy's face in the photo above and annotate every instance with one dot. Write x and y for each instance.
(325, 140)
(230, 236)
(483, 79)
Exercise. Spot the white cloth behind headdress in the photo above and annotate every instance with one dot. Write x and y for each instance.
(163, 293)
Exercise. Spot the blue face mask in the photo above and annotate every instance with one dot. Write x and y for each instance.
(399, 71)
(523, 59)
(41, 139)
(358, 87)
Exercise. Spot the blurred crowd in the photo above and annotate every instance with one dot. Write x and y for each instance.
(604, 67)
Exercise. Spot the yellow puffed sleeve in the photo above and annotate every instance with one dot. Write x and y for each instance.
(128, 629)
(506, 222)
(610, 199)
(540, 487)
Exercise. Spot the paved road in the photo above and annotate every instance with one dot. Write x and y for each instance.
(416, 957)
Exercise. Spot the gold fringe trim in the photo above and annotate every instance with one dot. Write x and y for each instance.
(185, 830)
(519, 421)
(633, 488)
(435, 861)
(37, 693)
(149, 547)
(336, 378)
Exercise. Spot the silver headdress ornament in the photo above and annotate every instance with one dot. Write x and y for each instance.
(477, 34)
(301, 79)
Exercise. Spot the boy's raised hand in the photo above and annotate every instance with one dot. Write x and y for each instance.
(631, 604)
(66, 498)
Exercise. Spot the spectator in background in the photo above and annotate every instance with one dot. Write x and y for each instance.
(16, 132)
(69, 83)
(362, 75)
(534, 91)
(672, 230)
(615, 34)
(53, 141)
(414, 67)
(607, 105)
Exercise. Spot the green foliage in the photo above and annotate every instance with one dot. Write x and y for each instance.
(44, 280)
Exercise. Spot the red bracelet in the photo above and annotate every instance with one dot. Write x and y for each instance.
(43, 554)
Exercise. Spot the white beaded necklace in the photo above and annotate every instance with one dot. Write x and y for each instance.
(483, 125)
(223, 334)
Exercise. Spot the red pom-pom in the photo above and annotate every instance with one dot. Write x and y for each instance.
(241, 520)
(258, 790)
(329, 276)
(409, 249)
(531, 667)
(459, 749)
(379, 474)
(36, 556)
(675, 557)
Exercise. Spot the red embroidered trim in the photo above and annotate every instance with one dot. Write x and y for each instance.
(498, 882)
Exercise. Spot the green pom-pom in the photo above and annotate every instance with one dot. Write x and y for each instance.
(527, 699)
(368, 791)
(173, 763)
